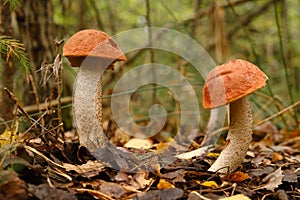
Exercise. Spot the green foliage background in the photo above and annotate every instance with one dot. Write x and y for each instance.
(251, 32)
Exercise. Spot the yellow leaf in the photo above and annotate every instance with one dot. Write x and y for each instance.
(277, 157)
(211, 184)
(139, 143)
(8, 137)
(161, 146)
(237, 197)
(163, 184)
(213, 155)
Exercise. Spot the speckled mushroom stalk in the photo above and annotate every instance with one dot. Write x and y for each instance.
(93, 52)
(230, 83)
(87, 106)
(238, 138)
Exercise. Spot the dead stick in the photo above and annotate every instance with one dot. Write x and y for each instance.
(16, 102)
(44, 106)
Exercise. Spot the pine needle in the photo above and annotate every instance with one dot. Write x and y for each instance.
(15, 50)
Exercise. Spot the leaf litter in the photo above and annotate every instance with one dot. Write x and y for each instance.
(37, 170)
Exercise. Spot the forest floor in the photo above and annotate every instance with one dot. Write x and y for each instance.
(35, 168)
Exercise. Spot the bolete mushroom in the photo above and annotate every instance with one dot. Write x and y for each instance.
(230, 83)
(92, 51)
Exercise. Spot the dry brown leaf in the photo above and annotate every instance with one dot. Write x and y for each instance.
(290, 176)
(122, 176)
(260, 171)
(89, 169)
(45, 192)
(112, 190)
(11, 186)
(236, 177)
(277, 157)
(141, 180)
(273, 180)
(176, 176)
(95, 193)
(134, 182)
(167, 194)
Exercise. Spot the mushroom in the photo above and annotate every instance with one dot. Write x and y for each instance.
(92, 51)
(230, 83)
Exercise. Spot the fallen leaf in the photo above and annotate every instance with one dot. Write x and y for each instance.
(290, 176)
(260, 171)
(211, 184)
(167, 194)
(11, 186)
(121, 176)
(134, 182)
(161, 146)
(45, 192)
(213, 155)
(112, 189)
(236, 177)
(8, 137)
(273, 180)
(94, 193)
(163, 184)
(140, 181)
(277, 157)
(88, 170)
(176, 176)
(201, 152)
(237, 197)
(139, 143)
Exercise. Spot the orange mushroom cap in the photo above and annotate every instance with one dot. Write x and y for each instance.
(91, 43)
(231, 81)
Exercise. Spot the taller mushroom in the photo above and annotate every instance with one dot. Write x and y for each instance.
(92, 51)
(230, 83)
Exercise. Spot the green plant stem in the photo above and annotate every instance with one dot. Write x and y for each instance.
(285, 67)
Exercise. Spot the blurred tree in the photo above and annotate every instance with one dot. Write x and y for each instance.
(8, 69)
(30, 21)
(37, 31)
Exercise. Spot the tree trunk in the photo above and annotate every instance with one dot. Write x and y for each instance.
(32, 24)
(7, 67)
(37, 32)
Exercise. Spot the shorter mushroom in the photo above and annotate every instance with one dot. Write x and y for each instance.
(230, 83)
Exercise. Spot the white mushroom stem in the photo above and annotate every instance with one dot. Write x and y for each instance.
(238, 138)
(87, 104)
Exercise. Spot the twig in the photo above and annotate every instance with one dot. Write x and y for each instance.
(57, 68)
(44, 106)
(37, 100)
(278, 113)
(16, 102)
